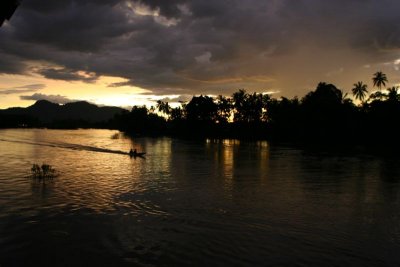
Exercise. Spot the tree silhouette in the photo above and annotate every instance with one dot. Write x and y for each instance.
(201, 108)
(380, 79)
(247, 107)
(325, 96)
(322, 112)
(176, 114)
(393, 94)
(359, 91)
(239, 98)
(224, 109)
(377, 96)
(163, 107)
(265, 99)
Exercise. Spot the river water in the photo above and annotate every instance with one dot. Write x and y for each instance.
(214, 202)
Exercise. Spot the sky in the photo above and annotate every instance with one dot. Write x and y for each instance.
(134, 52)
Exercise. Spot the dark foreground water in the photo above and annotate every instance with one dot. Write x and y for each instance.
(208, 203)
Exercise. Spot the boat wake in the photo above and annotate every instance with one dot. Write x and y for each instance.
(68, 146)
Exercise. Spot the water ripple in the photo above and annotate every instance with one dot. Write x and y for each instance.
(192, 203)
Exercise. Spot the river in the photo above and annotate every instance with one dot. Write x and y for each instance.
(213, 202)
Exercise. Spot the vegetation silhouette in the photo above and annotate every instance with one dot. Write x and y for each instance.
(360, 91)
(323, 116)
(379, 79)
(45, 171)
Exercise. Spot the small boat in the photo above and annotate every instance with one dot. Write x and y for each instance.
(137, 154)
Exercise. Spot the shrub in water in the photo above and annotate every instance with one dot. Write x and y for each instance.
(44, 171)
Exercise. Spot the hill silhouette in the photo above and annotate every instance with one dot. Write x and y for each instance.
(70, 115)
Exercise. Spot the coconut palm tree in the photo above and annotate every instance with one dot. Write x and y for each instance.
(393, 94)
(359, 91)
(380, 79)
(163, 107)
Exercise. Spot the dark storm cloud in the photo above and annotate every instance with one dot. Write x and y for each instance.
(168, 8)
(59, 99)
(209, 47)
(68, 25)
(11, 64)
(67, 75)
(51, 6)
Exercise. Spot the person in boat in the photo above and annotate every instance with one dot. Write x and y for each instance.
(133, 152)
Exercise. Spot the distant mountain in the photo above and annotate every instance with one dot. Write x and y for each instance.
(48, 112)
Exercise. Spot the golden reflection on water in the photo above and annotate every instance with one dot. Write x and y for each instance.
(89, 177)
(224, 154)
(230, 155)
(228, 162)
(237, 195)
(96, 179)
(264, 159)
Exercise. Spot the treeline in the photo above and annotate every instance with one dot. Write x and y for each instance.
(325, 115)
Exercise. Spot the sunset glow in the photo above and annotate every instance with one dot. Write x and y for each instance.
(199, 133)
(129, 53)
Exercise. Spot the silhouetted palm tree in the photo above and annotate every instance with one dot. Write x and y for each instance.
(393, 94)
(359, 91)
(376, 96)
(163, 107)
(380, 79)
